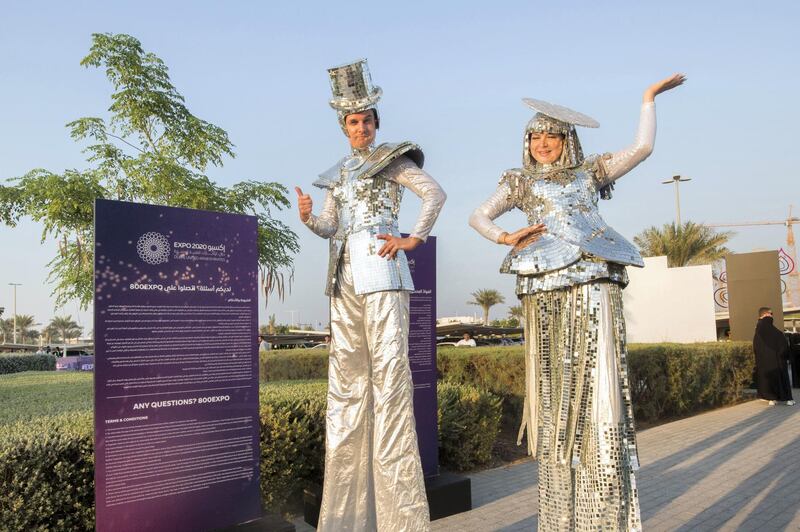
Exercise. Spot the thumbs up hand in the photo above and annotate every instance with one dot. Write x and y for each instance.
(304, 204)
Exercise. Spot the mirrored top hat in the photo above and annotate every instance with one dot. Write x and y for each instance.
(552, 118)
(353, 91)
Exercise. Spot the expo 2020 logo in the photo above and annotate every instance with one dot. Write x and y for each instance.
(153, 248)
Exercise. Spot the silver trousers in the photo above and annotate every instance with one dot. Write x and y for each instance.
(578, 410)
(373, 474)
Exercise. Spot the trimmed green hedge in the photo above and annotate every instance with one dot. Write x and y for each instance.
(667, 380)
(293, 364)
(671, 380)
(46, 450)
(469, 420)
(292, 438)
(47, 473)
(500, 370)
(18, 362)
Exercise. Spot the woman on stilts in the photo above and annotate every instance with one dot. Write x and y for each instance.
(570, 268)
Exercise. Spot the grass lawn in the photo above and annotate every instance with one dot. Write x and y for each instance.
(33, 394)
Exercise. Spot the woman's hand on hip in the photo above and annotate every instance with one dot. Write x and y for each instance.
(523, 237)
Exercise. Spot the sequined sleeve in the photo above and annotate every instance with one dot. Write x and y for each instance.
(411, 176)
(498, 203)
(612, 166)
(326, 224)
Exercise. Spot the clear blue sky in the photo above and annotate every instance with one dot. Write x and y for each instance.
(453, 74)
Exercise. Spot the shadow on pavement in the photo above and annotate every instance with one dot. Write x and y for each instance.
(515, 478)
(668, 474)
(780, 480)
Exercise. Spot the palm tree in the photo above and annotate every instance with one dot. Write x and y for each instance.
(486, 298)
(25, 329)
(50, 334)
(7, 328)
(66, 327)
(515, 312)
(686, 245)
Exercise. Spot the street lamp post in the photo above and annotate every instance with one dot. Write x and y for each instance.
(15, 285)
(677, 180)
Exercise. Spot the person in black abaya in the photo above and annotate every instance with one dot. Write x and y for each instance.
(772, 352)
(794, 359)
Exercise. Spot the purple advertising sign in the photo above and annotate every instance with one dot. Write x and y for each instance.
(75, 363)
(422, 352)
(176, 368)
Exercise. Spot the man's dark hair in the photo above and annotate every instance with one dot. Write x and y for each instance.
(762, 311)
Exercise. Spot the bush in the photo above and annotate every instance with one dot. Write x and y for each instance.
(47, 473)
(293, 364)
(18, 362)
(669, 380)
(498, 369)
(469, 420)
(47, 461)
(292, 439)
(666, 380)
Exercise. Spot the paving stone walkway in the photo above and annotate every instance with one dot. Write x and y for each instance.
(737, 468)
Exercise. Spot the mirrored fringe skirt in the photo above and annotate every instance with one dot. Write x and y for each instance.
(578, 410)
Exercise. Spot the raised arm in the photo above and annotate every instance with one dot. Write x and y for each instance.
(324, 225)
(620, 163)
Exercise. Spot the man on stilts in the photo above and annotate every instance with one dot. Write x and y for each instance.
(373, 475)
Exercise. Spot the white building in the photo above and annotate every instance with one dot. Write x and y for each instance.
(669, 304)
(469, 320)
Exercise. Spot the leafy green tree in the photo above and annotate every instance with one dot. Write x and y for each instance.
(686, 245)
(507, 322)
(486, 299)
(151, 149)
(67, 327)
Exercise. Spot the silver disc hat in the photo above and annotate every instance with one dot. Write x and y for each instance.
(353, 91)
(552, 118)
